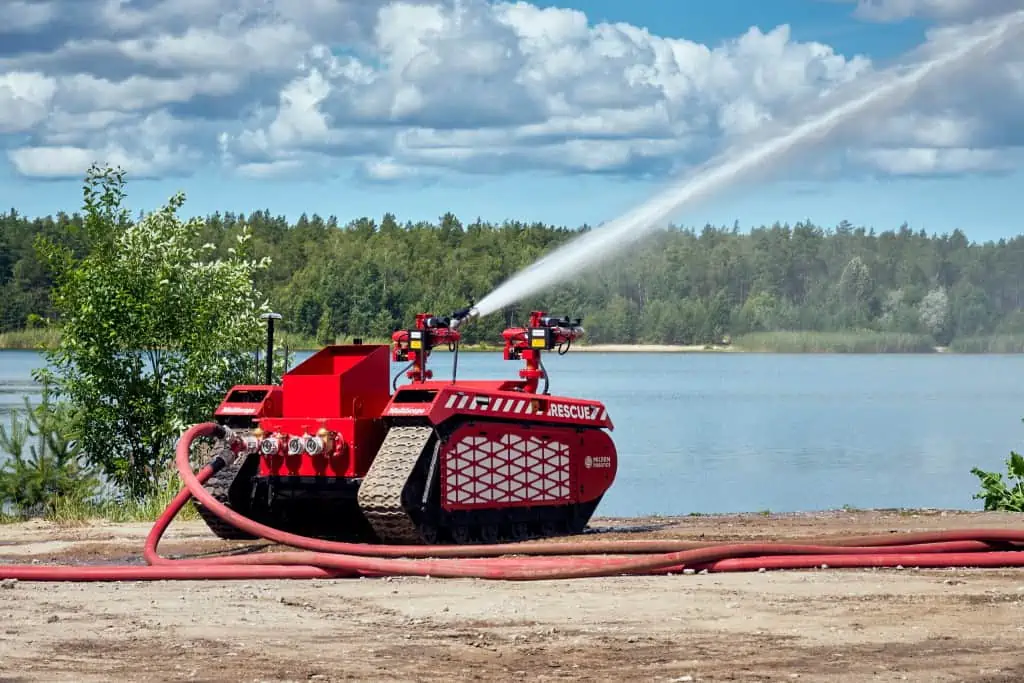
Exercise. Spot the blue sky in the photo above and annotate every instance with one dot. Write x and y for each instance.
(561, 111)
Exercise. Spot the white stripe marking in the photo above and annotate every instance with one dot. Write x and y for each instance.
(497, 404)
(519, 406)
(462, 403)
(451, 400)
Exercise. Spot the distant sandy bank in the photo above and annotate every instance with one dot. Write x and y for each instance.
(695, 348)
(653, 348)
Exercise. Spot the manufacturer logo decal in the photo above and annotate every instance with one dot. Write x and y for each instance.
(395, 410)
(237, 410)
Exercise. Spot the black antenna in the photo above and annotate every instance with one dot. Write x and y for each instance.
(270, 318)
(455, 362)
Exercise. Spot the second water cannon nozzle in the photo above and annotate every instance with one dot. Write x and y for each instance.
(565, 323)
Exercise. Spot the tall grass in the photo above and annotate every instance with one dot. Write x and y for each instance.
(296, 342)
(865, 341)
(77, 511)
(1000, 343)
(32, 339)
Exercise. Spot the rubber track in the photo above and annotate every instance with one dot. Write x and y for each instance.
(380, 493)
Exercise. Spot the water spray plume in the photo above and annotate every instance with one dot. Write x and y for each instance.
(740, 163)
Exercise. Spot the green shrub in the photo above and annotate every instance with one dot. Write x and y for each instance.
(154, 329)
(1003, 495)
(32, 483)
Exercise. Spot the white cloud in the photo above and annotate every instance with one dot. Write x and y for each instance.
(387, 170)
(150, 147)
(919, 161)
(270, 169)
(944, 10)
(199, 49)
(86, 93)
(18, 16)
(412, 90)
(25, 98)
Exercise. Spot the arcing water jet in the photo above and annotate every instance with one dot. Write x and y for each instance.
(739, 164)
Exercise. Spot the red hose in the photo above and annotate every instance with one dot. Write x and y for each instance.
(521, 561)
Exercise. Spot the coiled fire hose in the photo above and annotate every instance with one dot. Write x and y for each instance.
(522, 561)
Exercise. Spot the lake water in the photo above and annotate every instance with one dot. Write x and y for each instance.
(748, 432)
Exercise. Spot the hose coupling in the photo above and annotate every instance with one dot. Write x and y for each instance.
(232, 445)
(225, 458)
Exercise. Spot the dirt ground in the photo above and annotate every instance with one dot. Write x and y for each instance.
(813, 625)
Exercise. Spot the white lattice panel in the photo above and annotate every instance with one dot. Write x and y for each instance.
(509, 469)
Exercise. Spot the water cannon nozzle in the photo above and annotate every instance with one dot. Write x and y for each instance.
(463, 315)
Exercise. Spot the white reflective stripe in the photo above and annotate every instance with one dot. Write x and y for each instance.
(504, 404)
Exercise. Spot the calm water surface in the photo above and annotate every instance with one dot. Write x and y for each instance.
(747, 432)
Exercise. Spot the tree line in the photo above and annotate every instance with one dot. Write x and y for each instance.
(368, 277)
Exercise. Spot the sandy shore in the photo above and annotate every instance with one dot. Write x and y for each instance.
(692, 348)
(817, 625)
(654, 348)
